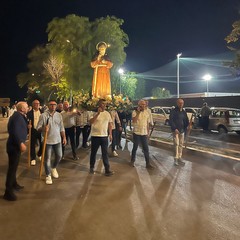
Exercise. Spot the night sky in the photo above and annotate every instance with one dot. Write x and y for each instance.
(157, 30)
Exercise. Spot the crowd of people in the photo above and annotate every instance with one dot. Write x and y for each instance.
(58, 124)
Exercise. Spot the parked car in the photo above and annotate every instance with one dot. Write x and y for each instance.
(194, 114)
(224, 120)
(161, 114)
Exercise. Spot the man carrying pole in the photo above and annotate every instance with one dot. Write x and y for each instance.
(51, 125)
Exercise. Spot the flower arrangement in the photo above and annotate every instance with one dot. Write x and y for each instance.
(117, 102)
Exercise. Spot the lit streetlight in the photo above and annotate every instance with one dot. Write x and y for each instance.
(178, 60)
(121, 72)
(207, 78)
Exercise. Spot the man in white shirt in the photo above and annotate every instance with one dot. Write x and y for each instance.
(141, 120)
(101, 129)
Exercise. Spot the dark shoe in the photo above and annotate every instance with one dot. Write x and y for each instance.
(91, 171)
(149, 166)
(109, 173)
(76, 158)
(132, 164)
(181, 162)
(18, 187)
(10, 196)
(119, 146)
(176, 162)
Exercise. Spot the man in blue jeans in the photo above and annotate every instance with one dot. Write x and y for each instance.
(51, 121)
(101, 129)
(141, 120)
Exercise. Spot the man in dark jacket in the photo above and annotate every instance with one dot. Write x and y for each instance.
(179, 123)
(17, 130)
(34, 115)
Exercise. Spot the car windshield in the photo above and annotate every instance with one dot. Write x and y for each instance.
(167, 110)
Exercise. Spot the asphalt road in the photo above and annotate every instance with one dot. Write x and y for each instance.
(199, 201)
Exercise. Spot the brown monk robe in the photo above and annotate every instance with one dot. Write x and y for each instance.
(101, 84)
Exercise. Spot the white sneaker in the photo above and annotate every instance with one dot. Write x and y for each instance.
(48, 180)
(55, 173)
(114, 153)
(33, 162)
(40, 158)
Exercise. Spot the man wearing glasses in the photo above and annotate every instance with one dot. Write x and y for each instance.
(51, 121)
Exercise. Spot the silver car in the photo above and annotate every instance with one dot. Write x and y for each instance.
(224, 120)
(161, 114)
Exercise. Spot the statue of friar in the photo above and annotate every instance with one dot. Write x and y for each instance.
(101, 84)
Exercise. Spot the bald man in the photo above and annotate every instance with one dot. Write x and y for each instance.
(17, 130)
(141, 120)
(179, 123)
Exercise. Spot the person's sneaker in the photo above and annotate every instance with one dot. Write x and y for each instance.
(9, 196)
(109, 173)
(181, 162)
(75, 158)
(149, 166)
(176, 162)
(91, 171)
(33, 162)
(132, 164)
(87, 144)
(18, 187)
(49, 180)
(55, 173)
(114, 153)
(40, 158)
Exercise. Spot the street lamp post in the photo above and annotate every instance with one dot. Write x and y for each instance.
(207, 78)
(121, 72)
(178, 60)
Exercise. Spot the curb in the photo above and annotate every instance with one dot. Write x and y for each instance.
(169, 145)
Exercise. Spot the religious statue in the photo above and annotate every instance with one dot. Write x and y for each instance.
(101, 84)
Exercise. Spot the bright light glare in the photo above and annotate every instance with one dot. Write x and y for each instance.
(207, 77)
(68, 41)
(120, 71)
(179, 55)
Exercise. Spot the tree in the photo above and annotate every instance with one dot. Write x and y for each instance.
(233, 37)
(34, 78)
(140, 90)
(54, 69)
(160, 93)
(128, 83)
